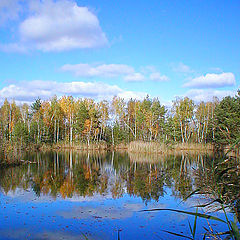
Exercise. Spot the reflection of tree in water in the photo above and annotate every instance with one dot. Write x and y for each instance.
(220, 180)
(182, 174)
(13, 178)
(71, 174)
(146, 181)
(86, 178)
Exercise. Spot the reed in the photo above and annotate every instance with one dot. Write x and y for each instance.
(10, 154)
(76, 146)
(193, 146)
(147, 147)
(224, 177)
(155, 147)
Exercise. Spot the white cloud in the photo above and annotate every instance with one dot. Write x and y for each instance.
(89, 89)
(216, 69)
(9, 10)
(156, 76)
(134, 77)
(212, 80)
(113, 70)
(207, 95)
(182, 68)
(13, 47)
(134, 95)
(105, 70)
(58, 26)
(29, 91)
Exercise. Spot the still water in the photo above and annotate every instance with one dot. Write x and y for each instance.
(76, 195)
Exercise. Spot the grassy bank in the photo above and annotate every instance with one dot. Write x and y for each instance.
(13, 153)
(194, 146)
(147, 147)
(133, 147)
(154, 147)
(10, 154)
(75, 146)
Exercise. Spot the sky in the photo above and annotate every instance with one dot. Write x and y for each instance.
(130, 49)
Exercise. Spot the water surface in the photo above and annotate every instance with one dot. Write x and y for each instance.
(75, 195)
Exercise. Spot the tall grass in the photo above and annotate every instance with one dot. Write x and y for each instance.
(193, 146)
(10, 153)
(75, 146)
(147, 147)
(155, 147)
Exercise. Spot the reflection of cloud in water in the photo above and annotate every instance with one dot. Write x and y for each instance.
(25, 234)
(157, 205)
(202, 200)
(95, 198)
(14, 233)
(29, 195)
(60, 235)
(133, 206)
(178, 217)
(107, 212)
(96, 212)
(140, 206)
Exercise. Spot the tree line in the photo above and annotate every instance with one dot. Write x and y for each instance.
(69, 120)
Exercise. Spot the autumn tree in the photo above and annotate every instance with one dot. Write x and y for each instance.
(183, 112)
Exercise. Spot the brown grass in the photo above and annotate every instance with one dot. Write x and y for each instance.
(10, 154)
(147, 147)
(193, 146)
(75, 146)
(154, 147)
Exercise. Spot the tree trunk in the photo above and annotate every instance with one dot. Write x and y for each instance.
(182, 131)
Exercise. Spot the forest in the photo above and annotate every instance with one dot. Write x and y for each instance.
(68, 120)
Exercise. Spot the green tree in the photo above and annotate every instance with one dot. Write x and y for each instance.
(228, 120)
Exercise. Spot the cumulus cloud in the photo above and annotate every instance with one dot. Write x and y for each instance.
(58, 26)
(9, 10)
(181, 68)
(105, 70)
(156, 76)
(134, 95)
(113, 70)
(135, 77)
(29, 91)
(208, 95)
(13, 47)
(212, 80)
(216, 69)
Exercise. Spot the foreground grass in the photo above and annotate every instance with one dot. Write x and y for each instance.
(220, 182)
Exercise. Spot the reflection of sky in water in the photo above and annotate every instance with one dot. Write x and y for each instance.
(24, 215)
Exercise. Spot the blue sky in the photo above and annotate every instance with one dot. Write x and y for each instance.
(104, 48)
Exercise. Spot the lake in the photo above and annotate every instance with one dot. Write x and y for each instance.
(80, 195)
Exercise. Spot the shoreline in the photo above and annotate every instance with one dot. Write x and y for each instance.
(137, 147)
(133, 147)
